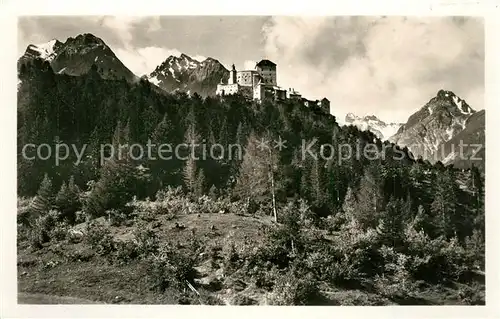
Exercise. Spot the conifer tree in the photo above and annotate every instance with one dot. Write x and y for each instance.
(349, 204)
(189, 174)
(67, 200)
(390, 226)
(44, 198)
(257, 177)
(200, 184)
(369, 201)
(443, 207)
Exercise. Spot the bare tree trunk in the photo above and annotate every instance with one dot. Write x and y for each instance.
(272, 186)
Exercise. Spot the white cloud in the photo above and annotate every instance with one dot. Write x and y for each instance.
(387, 66)
(143, 61)
(249, 65)
(123, 25)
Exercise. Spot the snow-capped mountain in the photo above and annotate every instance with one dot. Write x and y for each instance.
(373, 124)
(429, 129)
(76, 56)
(45, 51)
(187, 74)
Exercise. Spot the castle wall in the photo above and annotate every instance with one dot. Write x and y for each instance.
(226, 89)
(245, 78)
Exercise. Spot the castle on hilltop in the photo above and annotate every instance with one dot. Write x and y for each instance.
(261, 84)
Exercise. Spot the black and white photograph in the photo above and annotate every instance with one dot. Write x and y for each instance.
(251, 160)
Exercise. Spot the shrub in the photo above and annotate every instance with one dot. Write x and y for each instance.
(290, 290)
(170, 269)
(359, 250)
(146, 240)
(99, 238)
(472, 295)
(82, 255)
(116, 217)
(126, 251)
(59, 232)
(231, 258)
(266, 278)
(475, 249)
(81, 217)
(41, 229)
(396, 279)
(436, 260)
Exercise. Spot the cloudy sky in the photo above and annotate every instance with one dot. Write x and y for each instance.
(387, 66)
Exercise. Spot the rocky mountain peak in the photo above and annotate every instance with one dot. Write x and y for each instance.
(437, 122)
(77, 55)
(183, 73)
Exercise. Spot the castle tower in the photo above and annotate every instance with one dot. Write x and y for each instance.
(232, 76)
(267, 70)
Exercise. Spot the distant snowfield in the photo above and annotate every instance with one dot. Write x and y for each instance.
(46, 50)
(371, 123)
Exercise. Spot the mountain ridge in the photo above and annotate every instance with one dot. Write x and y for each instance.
(76, 56)
(429, 130)
(188, 74)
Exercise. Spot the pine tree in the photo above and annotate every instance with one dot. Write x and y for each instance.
(200, 184)
(62, 197)
(43, 201)
(116, 186)
(443, 207)
(318, 195)
(162, 131)
(189, 174)
(67, 200)
(349, 204)
(369, 201)
(390, 225)
(257, 177)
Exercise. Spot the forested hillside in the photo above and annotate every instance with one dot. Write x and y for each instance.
(341, 221)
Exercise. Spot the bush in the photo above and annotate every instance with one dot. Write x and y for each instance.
(475, 249)
(118, 182)
(116, 217)
(170, 269)
(126, 251)
(436, 260)
(358, 250)
(100, 239)
(266, 278)
(147, 241)
(396, 280)
(59, 232)
(290, 290)
(41, 229)
(231, 258)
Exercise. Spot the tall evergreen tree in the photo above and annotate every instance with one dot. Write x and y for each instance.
(44, 198)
